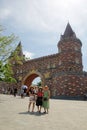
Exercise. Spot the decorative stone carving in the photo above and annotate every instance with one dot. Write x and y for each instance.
(47, 75)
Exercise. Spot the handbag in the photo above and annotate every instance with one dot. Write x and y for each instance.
(45, 99)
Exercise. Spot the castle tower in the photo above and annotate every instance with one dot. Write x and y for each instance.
(69, 49)
(17, 56)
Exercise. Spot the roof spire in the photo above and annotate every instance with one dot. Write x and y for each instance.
(68, 32)
(19, 49)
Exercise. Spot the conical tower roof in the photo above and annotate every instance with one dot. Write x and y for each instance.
(19, 49)
(68, 32)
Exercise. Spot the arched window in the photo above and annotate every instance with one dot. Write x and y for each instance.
(77, 60)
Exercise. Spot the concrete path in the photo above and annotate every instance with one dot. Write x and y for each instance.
(63, 115)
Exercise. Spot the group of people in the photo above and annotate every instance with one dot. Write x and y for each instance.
(39, 97)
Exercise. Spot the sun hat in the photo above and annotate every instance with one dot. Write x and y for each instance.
(40, 87)
(31, 86)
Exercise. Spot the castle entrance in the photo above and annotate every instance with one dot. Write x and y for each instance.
(28, 80)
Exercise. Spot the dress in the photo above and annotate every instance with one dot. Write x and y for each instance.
(46, 102)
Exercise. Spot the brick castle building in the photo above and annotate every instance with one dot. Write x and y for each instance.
(62, 72)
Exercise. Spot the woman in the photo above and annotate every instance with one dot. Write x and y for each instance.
(31, 99)
(46, 96)
(39, 99)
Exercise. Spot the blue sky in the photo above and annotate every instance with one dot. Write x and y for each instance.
(39, 23)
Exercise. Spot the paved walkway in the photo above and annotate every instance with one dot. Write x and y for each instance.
(63, 115)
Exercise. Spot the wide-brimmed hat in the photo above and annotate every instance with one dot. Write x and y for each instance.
(31, 86)
(40, 88)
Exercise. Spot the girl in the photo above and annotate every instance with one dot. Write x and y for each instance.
(31, 99)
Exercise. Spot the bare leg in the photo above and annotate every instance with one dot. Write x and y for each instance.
(47, 111)
(29, 106)
(44, 110)
(33, 107)
(40, 108)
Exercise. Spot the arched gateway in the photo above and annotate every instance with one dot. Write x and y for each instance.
(27, 80)
(62, 72)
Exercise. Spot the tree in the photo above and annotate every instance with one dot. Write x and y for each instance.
(6, 73)
(39, 83)
(1, 71)
(7, 45)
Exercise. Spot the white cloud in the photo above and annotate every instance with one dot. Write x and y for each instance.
(4, 13)
(47, 15)
(28, 54)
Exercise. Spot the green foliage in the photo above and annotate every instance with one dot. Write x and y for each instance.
(39, 83)
(6, 73)
(15, 56)
(1, 71)
(7, 44)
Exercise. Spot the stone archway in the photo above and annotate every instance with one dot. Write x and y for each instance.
(28, 79)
